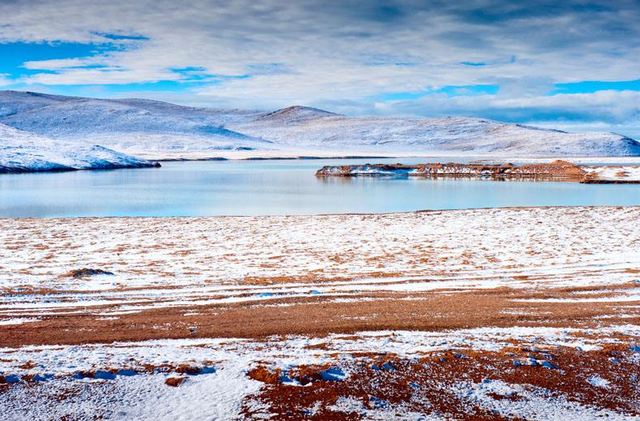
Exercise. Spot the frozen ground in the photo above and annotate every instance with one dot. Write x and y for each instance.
(225, 379)
(476, 314)
(168, 262)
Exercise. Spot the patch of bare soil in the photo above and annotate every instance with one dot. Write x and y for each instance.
(321, 316)
(441, 383)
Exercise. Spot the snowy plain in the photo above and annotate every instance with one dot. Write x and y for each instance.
(499, 312)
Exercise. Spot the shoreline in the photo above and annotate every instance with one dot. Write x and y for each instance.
(157, 160)
(244, 156)
(310, 215)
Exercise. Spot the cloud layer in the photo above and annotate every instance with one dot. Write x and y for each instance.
(352, 55)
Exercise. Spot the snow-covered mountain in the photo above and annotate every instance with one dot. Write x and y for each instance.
(134, 126)
(159, 130)
(23, 152)
(451, 135)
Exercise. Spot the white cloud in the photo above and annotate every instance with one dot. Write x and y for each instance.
(59, 64)
(342, 53)
(4, 80)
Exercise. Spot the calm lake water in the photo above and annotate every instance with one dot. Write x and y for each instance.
(274, 187)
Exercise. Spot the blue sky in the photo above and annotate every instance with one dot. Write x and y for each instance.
(570, 64)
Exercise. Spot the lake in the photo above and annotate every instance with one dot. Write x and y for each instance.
(205, 188)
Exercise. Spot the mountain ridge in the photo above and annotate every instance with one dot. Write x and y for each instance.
(162, 130)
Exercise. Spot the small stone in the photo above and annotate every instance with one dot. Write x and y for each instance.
(175, 381)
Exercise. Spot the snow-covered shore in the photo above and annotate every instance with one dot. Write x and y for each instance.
(494, 312)
(225, 260)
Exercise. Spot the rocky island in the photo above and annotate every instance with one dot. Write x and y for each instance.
(554, 171)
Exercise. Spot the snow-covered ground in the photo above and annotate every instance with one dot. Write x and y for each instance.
(157, 130)
(22, 151)
(529, 313)
(124, 381)
(616, 173)
(226, 260)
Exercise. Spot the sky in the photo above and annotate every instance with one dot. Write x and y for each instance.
(568, 64)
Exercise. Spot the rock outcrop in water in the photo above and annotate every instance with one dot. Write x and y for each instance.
(554, 171)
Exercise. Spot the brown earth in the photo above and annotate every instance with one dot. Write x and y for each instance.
(427, 384)
(319, 316)
(175, 381)
(438, 383)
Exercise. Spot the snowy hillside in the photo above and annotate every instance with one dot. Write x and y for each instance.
(12, 102)
(131, 125)
(22, 152)
(161, 130)
(289, 116)
(455, 135)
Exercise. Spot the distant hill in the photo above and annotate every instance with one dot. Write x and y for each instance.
(289, 116)
(159, 130)
(127, 125)
(454, 135)
(25, 152)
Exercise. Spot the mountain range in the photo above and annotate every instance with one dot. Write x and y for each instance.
(155, 130)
